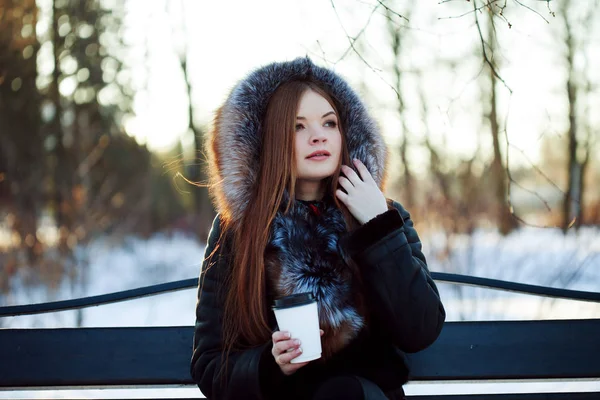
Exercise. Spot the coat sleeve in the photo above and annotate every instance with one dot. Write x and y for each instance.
(401, 294)
(247, 372)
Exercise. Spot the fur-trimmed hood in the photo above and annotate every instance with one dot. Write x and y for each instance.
(233, 145)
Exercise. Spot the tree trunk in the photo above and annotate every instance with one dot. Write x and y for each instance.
(20, 123)
(202, 206)
(62, 170)
(505, 220)
(572, 199)
(396, 37)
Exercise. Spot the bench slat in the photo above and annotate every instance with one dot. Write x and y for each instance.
(554, 349)
(566, 349)
(512, 396)
(509, 396)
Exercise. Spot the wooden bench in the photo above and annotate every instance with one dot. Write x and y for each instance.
(153, 356)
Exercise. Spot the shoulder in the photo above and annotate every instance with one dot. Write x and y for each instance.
(216, 262)
(393, 204)
(219, 231)
(217, 242)
(215, 230)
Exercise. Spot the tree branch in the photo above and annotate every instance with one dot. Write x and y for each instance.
(484, 52)
(354, 39)
(534, 11)
(392, 11)
(357, 52)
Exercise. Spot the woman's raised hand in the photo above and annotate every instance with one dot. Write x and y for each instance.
(285, 350)
(363, 197)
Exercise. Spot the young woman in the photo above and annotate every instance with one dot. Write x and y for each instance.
(297, 169)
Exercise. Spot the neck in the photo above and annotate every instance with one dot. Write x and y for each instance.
(310, 190)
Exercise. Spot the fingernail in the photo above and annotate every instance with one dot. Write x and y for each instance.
(287, 335)
(300, 350)
(296, 342)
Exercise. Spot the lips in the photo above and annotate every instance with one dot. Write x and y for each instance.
(319, 153)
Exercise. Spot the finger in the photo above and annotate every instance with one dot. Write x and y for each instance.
(280, 335)
(296, 366)
(350, 174)
(342, 196)
(365, 174)
(300, 365)
(346, 184)
(285, 358)
(291, 368)
(283, 346)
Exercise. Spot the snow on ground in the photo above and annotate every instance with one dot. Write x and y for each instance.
(131, 264)
(530, 255)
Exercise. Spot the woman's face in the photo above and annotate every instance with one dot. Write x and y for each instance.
(317, 130)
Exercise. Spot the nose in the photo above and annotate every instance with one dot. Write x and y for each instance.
(318, 136)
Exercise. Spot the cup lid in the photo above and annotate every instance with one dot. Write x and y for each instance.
(294, 300)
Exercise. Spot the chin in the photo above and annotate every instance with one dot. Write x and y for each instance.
(316, 175)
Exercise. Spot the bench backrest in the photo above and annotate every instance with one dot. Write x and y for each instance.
(149, 356)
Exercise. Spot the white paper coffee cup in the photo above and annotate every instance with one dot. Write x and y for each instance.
(298, 314)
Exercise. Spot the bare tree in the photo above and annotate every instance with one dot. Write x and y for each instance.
(572, 201)
(504, 218)
(20, 142)
(396, 35)
(62, 162)
(577, 88)
(202, 205)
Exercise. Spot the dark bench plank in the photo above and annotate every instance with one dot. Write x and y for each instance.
(507, 396)
(510, 396)
(160, 355)
(512, 350)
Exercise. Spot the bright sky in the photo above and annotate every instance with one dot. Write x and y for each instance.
(227, 39)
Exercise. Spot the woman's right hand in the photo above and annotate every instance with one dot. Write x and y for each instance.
(285, 350)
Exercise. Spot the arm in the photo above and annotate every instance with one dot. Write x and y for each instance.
(402, 296)
(247, 369)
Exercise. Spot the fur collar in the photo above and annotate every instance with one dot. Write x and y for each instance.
(304, 255)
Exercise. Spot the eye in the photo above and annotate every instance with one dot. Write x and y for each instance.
(332, 124)
(299, 126)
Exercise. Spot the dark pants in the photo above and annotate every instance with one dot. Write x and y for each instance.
(348, 387)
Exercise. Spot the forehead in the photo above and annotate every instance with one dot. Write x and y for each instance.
(313, 102)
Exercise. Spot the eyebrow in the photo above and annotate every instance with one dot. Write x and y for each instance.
(324, 115)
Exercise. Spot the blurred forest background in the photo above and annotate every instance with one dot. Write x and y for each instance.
(75, 166)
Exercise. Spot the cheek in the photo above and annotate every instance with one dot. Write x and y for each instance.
(297, 149)
(338, 146)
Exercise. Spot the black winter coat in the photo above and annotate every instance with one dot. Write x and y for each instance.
(407, 316)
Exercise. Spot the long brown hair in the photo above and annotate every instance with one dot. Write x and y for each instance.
(245, 321)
